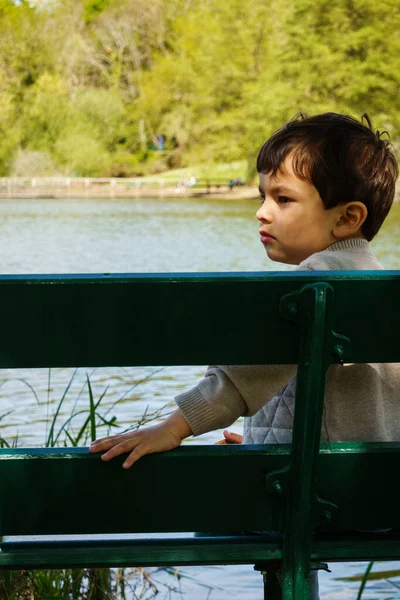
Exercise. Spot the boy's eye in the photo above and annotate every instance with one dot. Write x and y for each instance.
(262, 199)
(283, 200)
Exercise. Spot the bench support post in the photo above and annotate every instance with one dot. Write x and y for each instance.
(311, 309)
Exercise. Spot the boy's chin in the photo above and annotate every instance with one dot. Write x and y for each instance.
(281, 258)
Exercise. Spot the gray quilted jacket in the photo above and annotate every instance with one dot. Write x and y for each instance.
(361, 401)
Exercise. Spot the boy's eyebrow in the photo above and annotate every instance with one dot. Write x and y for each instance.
(277, 188)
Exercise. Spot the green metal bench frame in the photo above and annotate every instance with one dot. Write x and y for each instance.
(316, 495)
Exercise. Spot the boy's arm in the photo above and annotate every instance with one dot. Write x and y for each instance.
(225, 393)
(159, 438)
(228, 392)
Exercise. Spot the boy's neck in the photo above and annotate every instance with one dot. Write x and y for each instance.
(352, 242)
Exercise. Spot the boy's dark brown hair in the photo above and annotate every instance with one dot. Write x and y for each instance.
(343, 158)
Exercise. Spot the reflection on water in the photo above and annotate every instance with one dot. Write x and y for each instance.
(94, 236)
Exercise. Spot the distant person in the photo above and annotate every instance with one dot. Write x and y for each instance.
(327, 183)
(235, 182)
(160, 142)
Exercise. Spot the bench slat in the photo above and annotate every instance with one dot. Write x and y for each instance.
(90, 496)
(163, 552)
(114, 320)
(58, 491)
(191, 551)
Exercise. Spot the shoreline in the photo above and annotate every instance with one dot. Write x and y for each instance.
(73, 188)
(80, 187)
(249, 194)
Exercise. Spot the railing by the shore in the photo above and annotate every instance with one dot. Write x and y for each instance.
(85, 187)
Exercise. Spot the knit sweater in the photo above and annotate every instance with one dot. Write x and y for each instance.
(361, 400)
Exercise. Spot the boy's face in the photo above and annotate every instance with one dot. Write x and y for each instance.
(294, 222)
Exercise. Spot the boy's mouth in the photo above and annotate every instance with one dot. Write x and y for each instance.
(265, 237)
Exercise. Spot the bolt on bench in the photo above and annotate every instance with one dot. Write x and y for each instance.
(319, 496)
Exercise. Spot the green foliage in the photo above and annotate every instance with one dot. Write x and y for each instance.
(46, 113)
(76, 584)
(102, 113)
(104, 77)
(79, 132)
(95, 7)
(9, 135)
(81, 154)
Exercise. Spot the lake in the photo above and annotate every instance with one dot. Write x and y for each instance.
(141, 236)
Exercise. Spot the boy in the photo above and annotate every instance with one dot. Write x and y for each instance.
(327, 183)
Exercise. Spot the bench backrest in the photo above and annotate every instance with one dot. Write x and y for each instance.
(195, 319)
(185, 319)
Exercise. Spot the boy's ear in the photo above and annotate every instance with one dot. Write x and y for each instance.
(350, 219)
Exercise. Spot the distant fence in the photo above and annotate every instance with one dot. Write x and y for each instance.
(84, 187)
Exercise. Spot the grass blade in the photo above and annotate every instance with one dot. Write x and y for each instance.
(50, 439)
(67, 422)
(92, 414)
(21, 380)
(365, 579)
(84, 426)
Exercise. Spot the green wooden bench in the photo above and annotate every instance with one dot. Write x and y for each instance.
(319, 497)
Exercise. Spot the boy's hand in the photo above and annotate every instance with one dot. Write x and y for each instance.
(232, 438)
(159, 438)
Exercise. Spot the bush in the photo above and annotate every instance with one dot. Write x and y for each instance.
(33, 164)
(81, 154)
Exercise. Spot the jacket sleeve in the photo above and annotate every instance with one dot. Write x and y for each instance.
(228, 392)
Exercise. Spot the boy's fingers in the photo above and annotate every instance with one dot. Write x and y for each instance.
(109, 442)
(100, 446)
(120, 448)
(133, 457)
(234, 438)
(110, 438)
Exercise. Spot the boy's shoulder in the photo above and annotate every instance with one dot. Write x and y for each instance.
(351, 254)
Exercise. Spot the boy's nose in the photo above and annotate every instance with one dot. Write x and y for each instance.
(263, 213)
